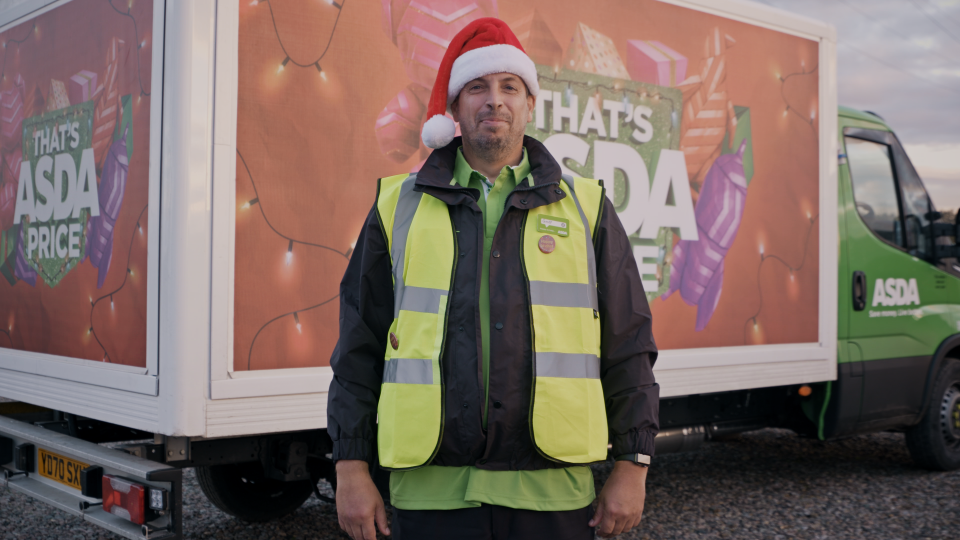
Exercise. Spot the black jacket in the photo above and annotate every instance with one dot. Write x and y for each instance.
(627, 355)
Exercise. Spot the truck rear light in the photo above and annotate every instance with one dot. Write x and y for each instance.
(158, 500)
(124, 499)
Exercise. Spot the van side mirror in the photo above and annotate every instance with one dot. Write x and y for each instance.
(911, 231)
(956, 228)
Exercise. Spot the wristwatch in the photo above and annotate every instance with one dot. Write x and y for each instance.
(642, 460)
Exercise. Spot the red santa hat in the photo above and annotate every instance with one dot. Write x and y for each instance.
(483, 47)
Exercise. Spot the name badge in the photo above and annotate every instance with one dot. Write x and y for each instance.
(553, 225)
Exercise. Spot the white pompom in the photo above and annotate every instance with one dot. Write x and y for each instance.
(438, 131)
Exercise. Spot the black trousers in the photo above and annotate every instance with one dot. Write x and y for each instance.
(489, 522)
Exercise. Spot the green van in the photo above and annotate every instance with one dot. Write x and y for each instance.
(898, 334)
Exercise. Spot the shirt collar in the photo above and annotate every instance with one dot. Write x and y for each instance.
(462, 171)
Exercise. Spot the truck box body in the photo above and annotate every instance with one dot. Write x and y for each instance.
(203, 299)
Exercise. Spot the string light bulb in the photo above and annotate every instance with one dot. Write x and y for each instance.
(297, 319)
(334, 3)
(249, 203)
(254, 3)
(290, 253)
(111, 301)
(283, 65)
(320, 69)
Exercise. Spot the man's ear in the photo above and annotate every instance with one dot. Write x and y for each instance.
(531, 105)
(455, 110)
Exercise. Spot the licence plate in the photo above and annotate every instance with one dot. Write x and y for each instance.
(59, 468)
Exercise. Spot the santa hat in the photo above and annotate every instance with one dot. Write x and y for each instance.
(483, 47)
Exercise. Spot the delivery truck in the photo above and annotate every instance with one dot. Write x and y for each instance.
(182, 183)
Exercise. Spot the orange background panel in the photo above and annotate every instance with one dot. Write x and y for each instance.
(310, 146)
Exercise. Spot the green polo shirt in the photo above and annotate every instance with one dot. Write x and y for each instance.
(448, 488)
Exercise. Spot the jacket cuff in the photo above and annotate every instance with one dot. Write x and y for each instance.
(634, 442)
(353, 449)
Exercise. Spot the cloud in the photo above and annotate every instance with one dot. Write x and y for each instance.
(899, 59)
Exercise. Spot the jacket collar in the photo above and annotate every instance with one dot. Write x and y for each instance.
(436, 175)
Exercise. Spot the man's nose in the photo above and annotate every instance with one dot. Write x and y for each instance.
(495, 98)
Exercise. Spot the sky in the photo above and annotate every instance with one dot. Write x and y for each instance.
(901, 60)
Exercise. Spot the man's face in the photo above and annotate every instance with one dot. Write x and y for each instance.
(493, 112)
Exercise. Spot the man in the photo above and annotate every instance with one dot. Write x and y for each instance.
(494, 333)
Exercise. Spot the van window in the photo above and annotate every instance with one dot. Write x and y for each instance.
(875, 188)
(916, 202)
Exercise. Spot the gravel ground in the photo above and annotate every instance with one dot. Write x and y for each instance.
(767, 484)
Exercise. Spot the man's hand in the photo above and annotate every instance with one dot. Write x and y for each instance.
(359, 503)
(620, 504)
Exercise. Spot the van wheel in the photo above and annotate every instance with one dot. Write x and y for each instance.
(934, 443)
(243, 491)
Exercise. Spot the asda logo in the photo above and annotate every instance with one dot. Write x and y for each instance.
(896, 292)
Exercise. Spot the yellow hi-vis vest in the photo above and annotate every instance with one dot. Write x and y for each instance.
(567, 416)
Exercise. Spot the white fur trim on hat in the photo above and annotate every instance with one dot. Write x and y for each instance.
(438, 131)
(499, 58)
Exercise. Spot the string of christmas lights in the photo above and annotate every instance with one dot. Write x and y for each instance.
(126, 275)
(764, 258)
(140, 43)
(289, 257)
(255, 201)
(287, 58)
(17, 42)
(783, 81)
(296, 320)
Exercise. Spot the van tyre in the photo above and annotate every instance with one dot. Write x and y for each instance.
(243, 491)
(934, 443)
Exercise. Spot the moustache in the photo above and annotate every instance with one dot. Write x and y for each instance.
(494, 116)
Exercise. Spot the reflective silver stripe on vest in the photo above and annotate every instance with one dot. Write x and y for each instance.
(407, 204)
(408, 371)
(421, 299)
(576, 295)
(568, 365)
(591, 256)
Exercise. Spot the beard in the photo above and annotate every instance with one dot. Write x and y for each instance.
(491, 146)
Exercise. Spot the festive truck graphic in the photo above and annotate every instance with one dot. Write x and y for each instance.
(787, 289)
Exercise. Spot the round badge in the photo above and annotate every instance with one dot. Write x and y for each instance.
(547, 243)
(394, 342)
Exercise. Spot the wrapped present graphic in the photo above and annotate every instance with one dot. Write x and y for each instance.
(82, 87)
(697, 267)
(22, 270)
(9, 180)
(35, 102)
(108, 104)
(57, 97)
(592, 52)
(8, 254)
(707, 111)
(8, 203)
(537, 40)
(426, 28)
(655, 63)
(113, 183)
(398, 125)
(741, 132)
(12, 113)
